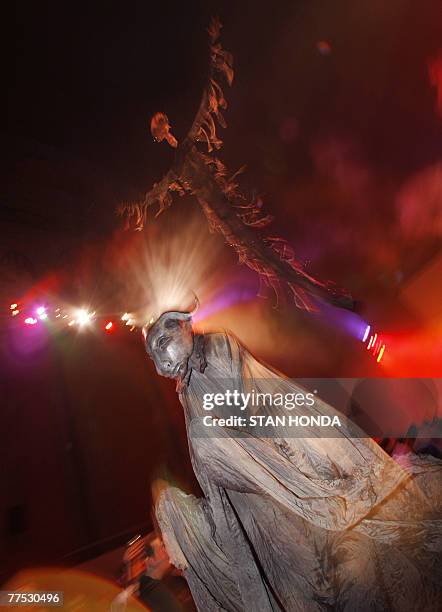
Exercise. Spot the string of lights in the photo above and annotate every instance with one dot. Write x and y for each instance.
(80, 318)
(375, 344)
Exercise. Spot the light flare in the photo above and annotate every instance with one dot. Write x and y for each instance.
(367, 331)
(381, 353)
(164, 269)
(84, 317)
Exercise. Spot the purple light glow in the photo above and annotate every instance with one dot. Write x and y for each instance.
(222, 301)
(350, 322)
(29, 338)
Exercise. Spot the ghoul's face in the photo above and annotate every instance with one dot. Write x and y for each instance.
(170, 344)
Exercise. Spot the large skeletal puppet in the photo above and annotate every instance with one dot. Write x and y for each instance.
(227, 209)
(290, 522)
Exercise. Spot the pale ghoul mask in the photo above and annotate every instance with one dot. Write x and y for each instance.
(169, 343)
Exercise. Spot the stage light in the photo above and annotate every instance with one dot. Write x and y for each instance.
(41, 310)
(108, 326)
(71, 323)
(83, 317)
(15, 312)
(13, 306)
(381, 353)
(125, 317)
(43, 316)
(30, 321)
(367, 331)
(370, 343)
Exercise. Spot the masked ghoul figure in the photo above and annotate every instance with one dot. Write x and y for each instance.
(291, 523)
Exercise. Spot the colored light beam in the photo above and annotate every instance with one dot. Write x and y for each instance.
(381, 353)
(367, 331)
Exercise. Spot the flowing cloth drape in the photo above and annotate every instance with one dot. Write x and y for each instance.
(299, 523)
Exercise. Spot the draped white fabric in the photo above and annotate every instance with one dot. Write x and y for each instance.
(299, 523)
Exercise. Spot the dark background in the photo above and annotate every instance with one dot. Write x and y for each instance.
(342, 140)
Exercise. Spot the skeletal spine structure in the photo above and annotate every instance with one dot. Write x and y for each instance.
(227, 210)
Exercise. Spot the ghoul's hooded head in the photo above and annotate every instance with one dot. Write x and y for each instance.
(169, 342)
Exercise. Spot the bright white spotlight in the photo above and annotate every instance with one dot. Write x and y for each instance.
(83, 317)
(30, 321)
(367, 331)
(41, 310)
(43, 316)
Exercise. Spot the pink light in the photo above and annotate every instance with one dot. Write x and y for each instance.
(370, 343)
(30, 321)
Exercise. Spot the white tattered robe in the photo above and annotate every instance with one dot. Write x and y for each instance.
(299, 524)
